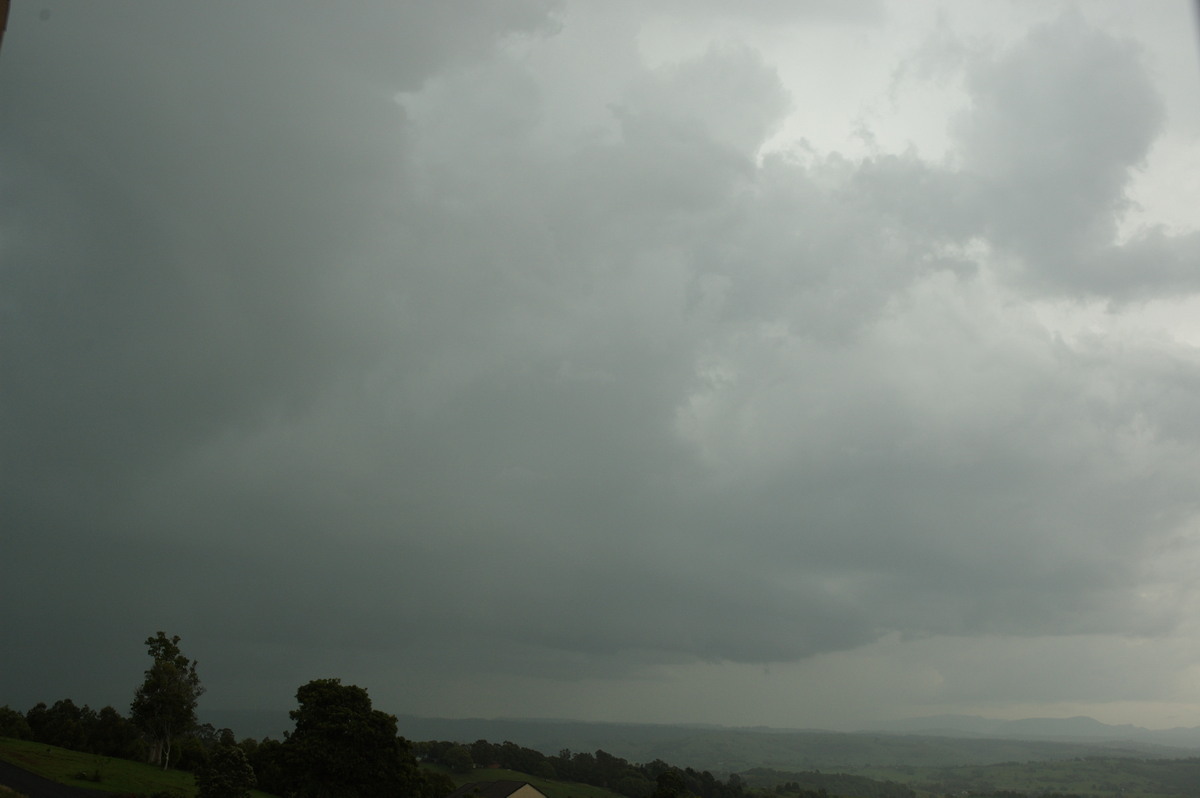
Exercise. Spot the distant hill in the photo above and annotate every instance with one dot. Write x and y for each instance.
(1076, 729)
(729, 750)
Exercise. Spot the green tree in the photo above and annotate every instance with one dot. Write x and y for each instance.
(115, 735)
(268, 760)
(13, 724)
(670, 784)
(228, 773)
(342, 748)
(164, 705)
(458, 759)
(63, 724)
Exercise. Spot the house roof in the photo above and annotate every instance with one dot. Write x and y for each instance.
(490, 789)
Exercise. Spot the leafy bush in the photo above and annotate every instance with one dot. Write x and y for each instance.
(13, 724)
(228, 774)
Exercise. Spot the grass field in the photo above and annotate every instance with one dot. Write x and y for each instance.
(98, 772)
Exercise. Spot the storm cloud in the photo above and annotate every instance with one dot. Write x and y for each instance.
(432, 344)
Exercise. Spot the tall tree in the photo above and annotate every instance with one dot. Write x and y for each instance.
(343, 748)
(165, 703)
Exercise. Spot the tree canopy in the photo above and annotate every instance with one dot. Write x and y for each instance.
(227, 774)
(342, 748)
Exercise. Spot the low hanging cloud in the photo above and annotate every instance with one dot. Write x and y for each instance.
(359, 320)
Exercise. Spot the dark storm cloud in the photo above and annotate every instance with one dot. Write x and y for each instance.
(334, 384)
(182, 227)
(183, 194)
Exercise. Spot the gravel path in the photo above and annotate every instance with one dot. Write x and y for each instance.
(34, 786)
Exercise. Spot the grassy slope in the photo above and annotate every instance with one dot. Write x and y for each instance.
(116, 775)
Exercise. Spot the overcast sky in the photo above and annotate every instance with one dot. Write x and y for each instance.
(786, 363)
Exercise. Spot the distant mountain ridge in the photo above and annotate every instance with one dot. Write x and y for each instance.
(1075, 729)
(944, 741)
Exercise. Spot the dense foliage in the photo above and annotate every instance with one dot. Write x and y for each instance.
(105, 732)
(343, 748)
(13, 724)
(227, 773)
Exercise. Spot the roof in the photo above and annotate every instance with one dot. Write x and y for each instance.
(491, 789)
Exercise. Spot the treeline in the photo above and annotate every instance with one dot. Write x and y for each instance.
(285, 767)
(815, 784)
(361, 750)
(819, 785)
(1175, 775)
(282, 767)
(277, 764)
(599, 769)
(1015, 794)
(106, 732)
